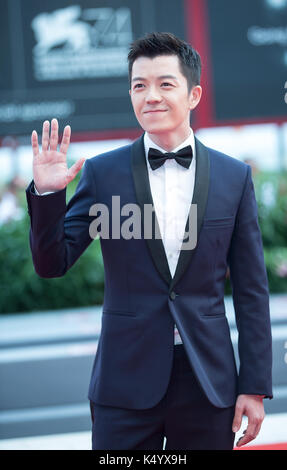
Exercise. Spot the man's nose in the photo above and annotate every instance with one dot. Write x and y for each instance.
(153, 95)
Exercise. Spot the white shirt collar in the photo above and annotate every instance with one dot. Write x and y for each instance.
(189, 141)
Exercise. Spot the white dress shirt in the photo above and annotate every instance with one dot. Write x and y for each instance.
(172, 188)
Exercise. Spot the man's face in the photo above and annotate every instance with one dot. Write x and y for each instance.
(159, 95)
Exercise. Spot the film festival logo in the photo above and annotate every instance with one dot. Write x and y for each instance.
(137, 225)
(75, 43)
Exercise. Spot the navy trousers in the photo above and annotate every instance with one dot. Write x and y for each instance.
(184, 419)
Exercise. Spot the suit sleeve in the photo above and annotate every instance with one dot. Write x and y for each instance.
(59, 233)
(251, 298)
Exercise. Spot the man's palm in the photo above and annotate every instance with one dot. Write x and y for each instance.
(50, 170)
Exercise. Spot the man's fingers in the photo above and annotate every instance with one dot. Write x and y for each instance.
(34, 142)
(248, 437)
(252, 407)
(74, 170)
(45, 136)
(250, 433)
(237, 420)
(54, 134)
(65, 140)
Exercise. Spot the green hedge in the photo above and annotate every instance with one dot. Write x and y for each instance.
(21, 289)
(271, 196)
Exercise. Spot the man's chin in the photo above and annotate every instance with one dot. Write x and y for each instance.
(157, 129)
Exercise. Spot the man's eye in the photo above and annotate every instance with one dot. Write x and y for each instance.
(138, 85)
(166, 84)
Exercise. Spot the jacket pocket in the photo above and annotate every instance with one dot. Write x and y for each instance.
(214, 315)
(123, 313)
(219, 222)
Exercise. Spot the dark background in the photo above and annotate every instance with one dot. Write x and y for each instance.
(90, 103)
(248, 79)
(242, 82)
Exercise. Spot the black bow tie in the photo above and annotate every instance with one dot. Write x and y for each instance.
(157, 158)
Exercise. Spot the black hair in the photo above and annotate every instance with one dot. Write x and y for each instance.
(155, 44)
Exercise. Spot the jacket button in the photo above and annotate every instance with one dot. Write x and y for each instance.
(172, 295)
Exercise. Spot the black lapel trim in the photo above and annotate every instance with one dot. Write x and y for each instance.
(200, 194)
(144, 196)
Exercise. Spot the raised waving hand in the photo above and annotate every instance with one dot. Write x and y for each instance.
(50, 170)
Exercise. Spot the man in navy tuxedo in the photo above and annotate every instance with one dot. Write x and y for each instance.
(164, 366)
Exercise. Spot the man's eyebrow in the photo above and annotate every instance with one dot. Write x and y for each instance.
(168, 76)
(160, 77)
(137, 78)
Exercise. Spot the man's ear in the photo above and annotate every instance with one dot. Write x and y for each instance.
(195, 96)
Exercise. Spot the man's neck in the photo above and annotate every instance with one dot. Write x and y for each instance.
(168, 142)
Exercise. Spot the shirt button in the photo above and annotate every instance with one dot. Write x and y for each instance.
(172, 295)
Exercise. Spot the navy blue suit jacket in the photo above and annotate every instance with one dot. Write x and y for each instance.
(142, 301)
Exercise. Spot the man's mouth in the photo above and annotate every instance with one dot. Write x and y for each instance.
(155, 111)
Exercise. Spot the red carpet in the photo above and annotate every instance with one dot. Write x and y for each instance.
(280, 446)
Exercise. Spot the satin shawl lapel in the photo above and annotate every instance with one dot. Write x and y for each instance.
(144, 196)
(200, 194)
